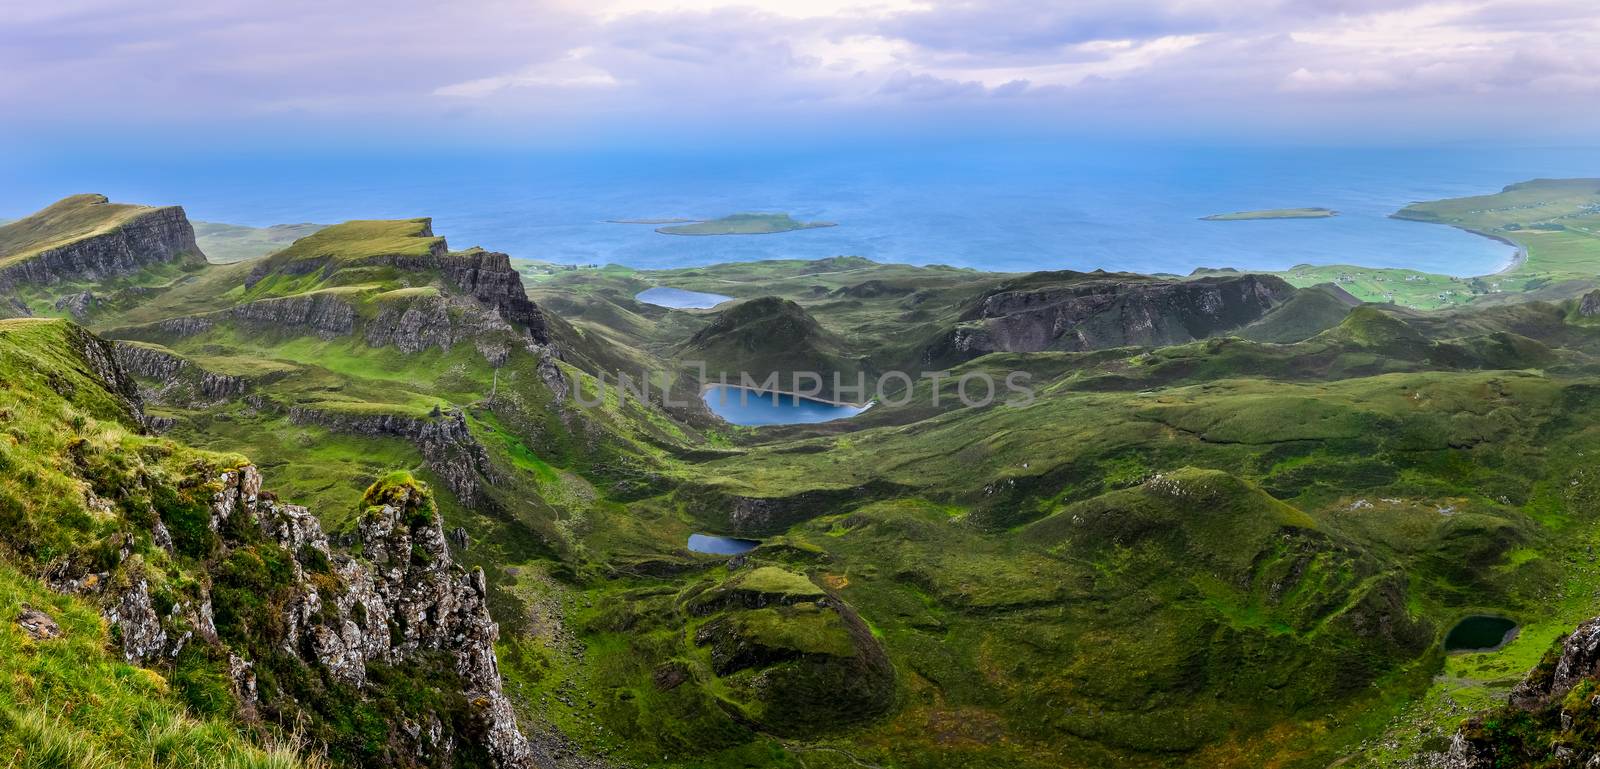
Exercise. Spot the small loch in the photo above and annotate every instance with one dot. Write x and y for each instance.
(712, 544)
(680, 299)
(1480, 633)
(753, 408)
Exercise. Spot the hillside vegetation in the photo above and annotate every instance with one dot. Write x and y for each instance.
(1229, 527)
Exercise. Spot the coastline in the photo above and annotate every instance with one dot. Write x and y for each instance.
(1519, 256)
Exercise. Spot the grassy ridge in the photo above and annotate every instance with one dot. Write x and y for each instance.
(229, 243)
(71, 701)
(1223, 553)
(69, 219)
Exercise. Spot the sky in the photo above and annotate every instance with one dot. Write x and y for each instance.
(638, 72)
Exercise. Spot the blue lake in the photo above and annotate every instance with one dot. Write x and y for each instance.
(716, 545)
(680, 299)
(994, 205)
(744, 406)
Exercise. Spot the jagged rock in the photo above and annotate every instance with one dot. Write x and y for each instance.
(550, 374)
(1077, 311)
(186, 326)
(1543, 693)
(1579, 659)
(402, 596)
(38, 625)
(139, 629)
(437, 321)
(1589, 306)
(242, 677)
(489, 277)
(182, 382)
(77, 305)
(326, 315)
(446, 444)
(458, 536)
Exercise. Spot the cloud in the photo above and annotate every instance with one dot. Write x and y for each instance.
(570, 71)
(73, 62)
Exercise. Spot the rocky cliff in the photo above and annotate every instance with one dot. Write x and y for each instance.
(371, 643)
(481, 302)
(488, 277)
(392, 597)
(1550, 719)
(447, 445)
(181, 382)
(86, 237)
(1088, 311)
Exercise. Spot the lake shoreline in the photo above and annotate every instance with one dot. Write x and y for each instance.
(707, 387)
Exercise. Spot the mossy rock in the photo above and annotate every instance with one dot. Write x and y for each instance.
(790, 658)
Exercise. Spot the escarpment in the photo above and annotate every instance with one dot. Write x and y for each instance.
(446, 443)
(1549, 717)
(86, 237)
(392, 598)
(371, 644)
(181, 382)
(488, 277)
(388, 283)
(1075, 312)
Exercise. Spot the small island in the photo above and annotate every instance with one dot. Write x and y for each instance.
(1272, 213)
(743, 224)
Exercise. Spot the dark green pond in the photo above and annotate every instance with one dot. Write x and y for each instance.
(1480, 633)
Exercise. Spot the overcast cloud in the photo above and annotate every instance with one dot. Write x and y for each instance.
(1454, 67)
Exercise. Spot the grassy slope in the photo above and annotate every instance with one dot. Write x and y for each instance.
(229, 243)
(355, 240)
(69, 219)
(71, 702)
(74, 218)
(976, 612)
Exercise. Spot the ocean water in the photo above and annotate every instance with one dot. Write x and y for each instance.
(990, 206)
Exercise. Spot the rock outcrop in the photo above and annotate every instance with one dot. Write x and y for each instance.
(393, 597)
(1087, 311)
(1542, 720)
(38, 625)
(447, 445)
(135, 240)
(482, 300)
(77, 305)
(440, 322)
(489, 277)
(323, 314)
(182, 383)
(1589, 305)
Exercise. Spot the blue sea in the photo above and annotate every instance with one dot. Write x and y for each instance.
(991, 206)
